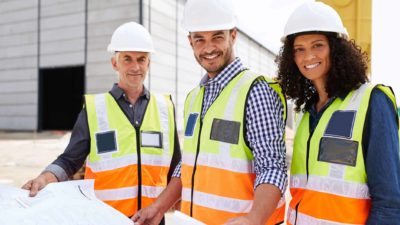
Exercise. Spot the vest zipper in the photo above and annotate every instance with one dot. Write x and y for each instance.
(308, 152)
(194, 168)
(139, 166)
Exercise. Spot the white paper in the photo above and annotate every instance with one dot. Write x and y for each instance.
(178, 218)
(63, 203)
(151, 139)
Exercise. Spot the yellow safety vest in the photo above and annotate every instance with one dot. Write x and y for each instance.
(129, 165)
(217, 165)
(328, 180)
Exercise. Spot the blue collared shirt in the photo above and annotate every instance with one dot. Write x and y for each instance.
(381, 155)
(264, 125)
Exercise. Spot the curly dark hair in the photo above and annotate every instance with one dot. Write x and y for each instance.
(348, 70)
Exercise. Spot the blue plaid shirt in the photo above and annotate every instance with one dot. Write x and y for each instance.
(264, 125)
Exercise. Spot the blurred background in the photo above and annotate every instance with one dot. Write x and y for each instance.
(54, 51)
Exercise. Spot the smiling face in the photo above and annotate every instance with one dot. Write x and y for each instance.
(132, 68)
(312, 57)
(213, 50)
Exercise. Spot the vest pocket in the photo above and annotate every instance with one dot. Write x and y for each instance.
(151, 139)
(341, 124)
(225, 131)
(338, 150)
(106, 141)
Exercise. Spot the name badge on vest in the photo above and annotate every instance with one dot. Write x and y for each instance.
(336, 145)
(106, 141)
(191, 124)
(225, 131)
(151, 139)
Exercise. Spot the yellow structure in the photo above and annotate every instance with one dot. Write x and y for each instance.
(356, 16)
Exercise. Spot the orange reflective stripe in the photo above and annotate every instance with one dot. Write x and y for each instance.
(186, 174)
(351, 210)
(328, 206)
(112, 178)
(147, 201)
(185, 207)
(278, 215)
(154, 175)
(221, 178)
(128, 206)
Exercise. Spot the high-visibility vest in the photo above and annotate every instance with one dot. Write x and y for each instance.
(217, 170)
(129, 165)
(328, 180)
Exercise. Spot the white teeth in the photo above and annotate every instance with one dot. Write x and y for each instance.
(312, 66)
(211, 56)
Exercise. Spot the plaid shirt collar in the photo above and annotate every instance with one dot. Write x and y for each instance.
(226, 75)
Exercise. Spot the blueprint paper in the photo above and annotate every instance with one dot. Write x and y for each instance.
(62, 203)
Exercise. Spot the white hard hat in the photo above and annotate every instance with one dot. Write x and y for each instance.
(314, 16)
(131, 36)
(209, 15)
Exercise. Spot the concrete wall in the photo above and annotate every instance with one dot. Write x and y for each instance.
(18, 64)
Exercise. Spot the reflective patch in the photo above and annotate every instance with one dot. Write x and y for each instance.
(337, 150)
(191, 124)
(151, 139)
(341, 124)
(106, 141)
(225, 131)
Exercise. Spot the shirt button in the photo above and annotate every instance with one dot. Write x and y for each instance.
(136, 122)
(130, 106)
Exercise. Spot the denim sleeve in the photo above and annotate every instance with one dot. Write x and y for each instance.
(69, 162)
(381, 144)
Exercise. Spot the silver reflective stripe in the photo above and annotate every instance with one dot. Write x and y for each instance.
(117, 194)
(281, 202)
(337, 171)
(233, 97)
(356, 98)
(298, 181)
(217, 161)
(303, 219)
(298, 120)
(155, 160)
(131, 159)
(194, 95)
(217, 202)
(230, 110)
(112, 163)
(151, 192)
(101, 111)
(330, 185)
(164, 121)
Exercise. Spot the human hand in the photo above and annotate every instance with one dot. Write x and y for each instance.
(149, 215)
(37, 184)
(243, 220)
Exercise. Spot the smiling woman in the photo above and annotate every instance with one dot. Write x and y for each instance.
(348, 129)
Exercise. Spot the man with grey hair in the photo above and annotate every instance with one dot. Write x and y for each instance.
(127, 136)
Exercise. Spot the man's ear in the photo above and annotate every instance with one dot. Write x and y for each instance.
(114, 62)
(233, 34)
(190, 40)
